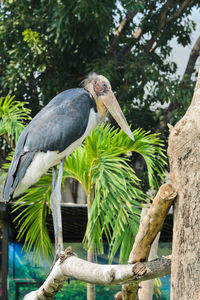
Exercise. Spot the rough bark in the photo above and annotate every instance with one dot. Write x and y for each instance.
(184, 156)
(70, 265)
(148, 230)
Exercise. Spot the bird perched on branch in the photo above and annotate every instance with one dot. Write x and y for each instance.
(54, 133)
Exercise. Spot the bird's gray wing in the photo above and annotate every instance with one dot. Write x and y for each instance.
(54, 128)
(60, 123)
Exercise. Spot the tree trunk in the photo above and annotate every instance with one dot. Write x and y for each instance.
(184, 156)
(91, 289)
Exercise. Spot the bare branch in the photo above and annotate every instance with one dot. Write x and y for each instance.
(125, 22)
(193, 58)
(98, 274)
(71, 266)
(161, 25)
(180, 10)
(137, 34)
(148, 231)
(152, 223)
(163, 20)
(123, 25)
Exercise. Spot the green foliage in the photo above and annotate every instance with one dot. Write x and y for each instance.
(13, 115)
(32, 210)
(113, 190)
(32, 39)
(47, 47)
(156, 289)
(76, 290)
(117, 189)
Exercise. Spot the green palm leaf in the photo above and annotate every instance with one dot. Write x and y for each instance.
(13, 115)
(117, 188)
(32, 210)
(101, 166)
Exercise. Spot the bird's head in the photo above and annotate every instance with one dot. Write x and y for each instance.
(101, 90)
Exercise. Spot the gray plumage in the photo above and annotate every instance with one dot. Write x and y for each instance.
(54, 128)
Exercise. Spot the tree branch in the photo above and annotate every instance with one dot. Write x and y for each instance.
(152, 223)
(123, 25)
(148, 231)
(161, 25)
(180, 10)
(125, 22)
(163, 20)
(72, 266)
(194, 54)
(193, 58)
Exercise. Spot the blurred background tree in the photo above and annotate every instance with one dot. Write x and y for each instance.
(49, 46)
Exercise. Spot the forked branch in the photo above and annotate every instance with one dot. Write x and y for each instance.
(71, 266)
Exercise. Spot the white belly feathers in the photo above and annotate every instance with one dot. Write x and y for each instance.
(42, 161)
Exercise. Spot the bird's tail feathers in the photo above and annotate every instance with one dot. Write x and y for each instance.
(16, 172)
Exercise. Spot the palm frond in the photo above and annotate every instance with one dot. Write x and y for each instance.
(117, 194)
(149, 146)
(101, 165)
(32, 211)
(76, 166)
(13, 115)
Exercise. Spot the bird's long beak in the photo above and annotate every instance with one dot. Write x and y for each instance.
(111, 103)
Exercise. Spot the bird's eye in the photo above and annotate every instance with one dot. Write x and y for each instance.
(104, 85)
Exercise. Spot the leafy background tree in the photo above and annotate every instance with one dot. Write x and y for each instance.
(49, 46)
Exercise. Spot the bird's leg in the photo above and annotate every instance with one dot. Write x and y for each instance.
(55, 201)
(54, 177)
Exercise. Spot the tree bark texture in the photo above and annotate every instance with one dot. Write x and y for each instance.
(71, 266)
(184, 157)
(148, 231)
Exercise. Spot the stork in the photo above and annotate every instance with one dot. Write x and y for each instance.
(54, 133)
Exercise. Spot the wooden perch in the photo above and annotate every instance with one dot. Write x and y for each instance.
(148, 231)
(152, 224)
(72, 266)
